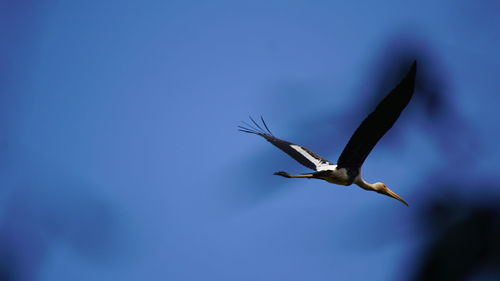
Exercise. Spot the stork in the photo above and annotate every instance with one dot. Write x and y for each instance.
(348, 168)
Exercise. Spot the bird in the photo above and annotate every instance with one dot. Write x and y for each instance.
(347, 170)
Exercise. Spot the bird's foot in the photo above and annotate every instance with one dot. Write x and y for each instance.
(283, 174)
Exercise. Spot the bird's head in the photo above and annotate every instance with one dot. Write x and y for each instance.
(381, 188)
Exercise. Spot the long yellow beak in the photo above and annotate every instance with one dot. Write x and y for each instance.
(390, 193)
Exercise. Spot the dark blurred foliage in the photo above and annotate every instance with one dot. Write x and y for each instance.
(38, 216)
(432, 85)
(433, 100)
(463, 239)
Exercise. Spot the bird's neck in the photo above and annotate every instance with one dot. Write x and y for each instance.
(365, 185)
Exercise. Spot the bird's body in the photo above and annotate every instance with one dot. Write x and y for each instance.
(347, 171)
(340, 176)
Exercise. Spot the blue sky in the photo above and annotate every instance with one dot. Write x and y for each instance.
(120, 158)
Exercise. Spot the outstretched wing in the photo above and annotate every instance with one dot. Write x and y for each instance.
(301, 154)
(378, 122)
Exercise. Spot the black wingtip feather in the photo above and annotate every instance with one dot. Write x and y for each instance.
(265, 125)
(283, 145)
(255, 128)
(250, 126)
(256, 124)
(378, 122)
(247, 131)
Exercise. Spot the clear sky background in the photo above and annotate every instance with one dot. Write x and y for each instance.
(120, 158)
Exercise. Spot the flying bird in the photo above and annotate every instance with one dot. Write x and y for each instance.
(348, 168)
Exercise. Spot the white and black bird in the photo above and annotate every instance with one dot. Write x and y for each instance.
(348, 168)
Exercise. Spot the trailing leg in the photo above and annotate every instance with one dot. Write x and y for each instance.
(287, 175)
